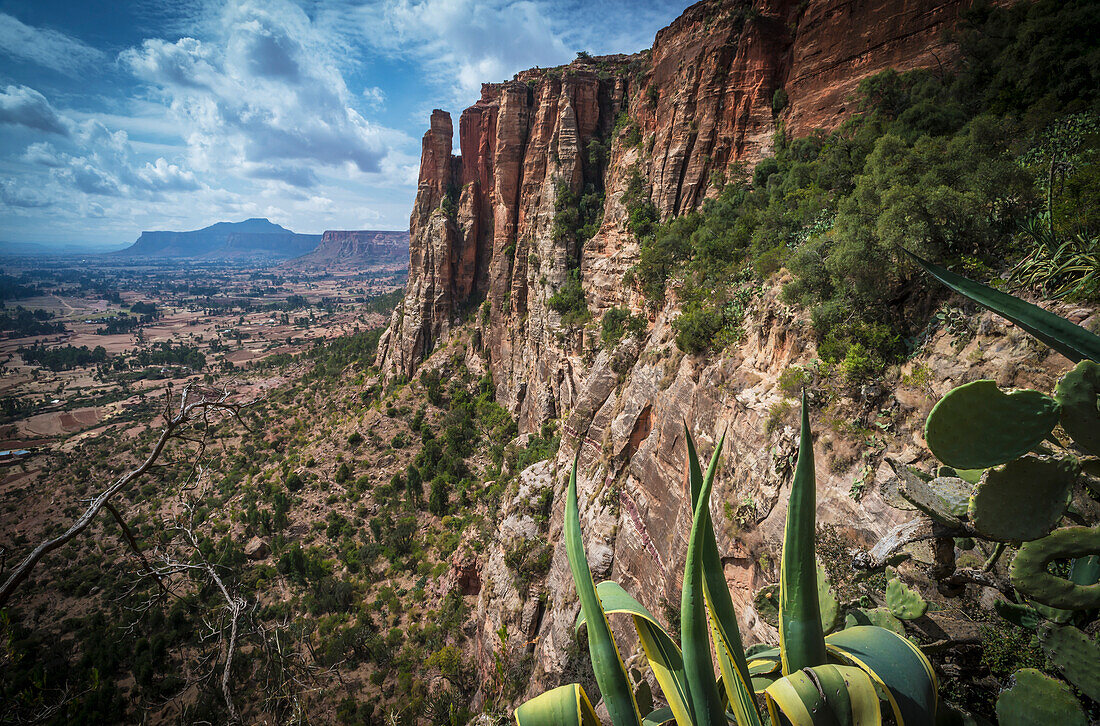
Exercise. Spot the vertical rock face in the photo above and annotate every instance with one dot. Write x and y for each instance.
(485, 249)
(702, 103)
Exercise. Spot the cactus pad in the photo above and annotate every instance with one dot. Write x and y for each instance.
(1079, 395)
(1022, 616)
(1029, 569)
(1035, 699)
(970, 475)
(766, 602)
(903, 601)
(1075, 654)
(954, 491)
(881, 617)
(1023, 499)
(944, 499)
(977, 425)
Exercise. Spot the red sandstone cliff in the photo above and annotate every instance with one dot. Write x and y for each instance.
(483, 251)
(482, 224)
(355, 249)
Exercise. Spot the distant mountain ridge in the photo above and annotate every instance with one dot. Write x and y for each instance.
(56, 248)
(344, 249)
(250, 239)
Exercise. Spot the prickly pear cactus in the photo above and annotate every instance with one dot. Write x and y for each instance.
(1075, 654)
(977, 425)
(766, 602)
(1029, 568)
(903, 601)
(1023, 499)
(882, 617)
(1022, 616)
(1038, 700)
(944, 499)
(1078, 393)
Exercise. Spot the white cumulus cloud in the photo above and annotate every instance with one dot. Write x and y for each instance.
(465, 43)
(262, 95)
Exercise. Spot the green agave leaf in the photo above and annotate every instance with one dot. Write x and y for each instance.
(894, 663)
(661, 651)
(564, 706)
(823, 696)
(1035, 699)
(977, 425)
(607, 664)
(764, 666)
(801, 637)
(723, 618)
(706, 705)
(1072, 341)
(766, 602)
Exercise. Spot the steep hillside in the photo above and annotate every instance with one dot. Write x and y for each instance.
(570, 249)
(348, 249)
(609, 252)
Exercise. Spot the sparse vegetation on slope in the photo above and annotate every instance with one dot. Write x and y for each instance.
(945, 165)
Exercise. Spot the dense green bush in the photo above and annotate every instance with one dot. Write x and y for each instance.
(618, 323)
(948, 166)
(569, 302)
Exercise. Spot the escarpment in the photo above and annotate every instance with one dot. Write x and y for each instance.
(699, 107)
(498, 247)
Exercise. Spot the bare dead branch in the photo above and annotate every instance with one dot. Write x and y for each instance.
(916, 530)
(194, 401)
(976, 577)
(133, 543)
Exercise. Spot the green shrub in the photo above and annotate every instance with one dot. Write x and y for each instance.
(617, 323)
(569, 301)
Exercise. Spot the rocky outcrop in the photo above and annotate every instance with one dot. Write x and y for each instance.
(695, 109)
(487, 257)
(355, 249)
(635, 512)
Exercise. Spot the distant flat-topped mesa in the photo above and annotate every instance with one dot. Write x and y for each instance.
(348, 249)
(255, 238)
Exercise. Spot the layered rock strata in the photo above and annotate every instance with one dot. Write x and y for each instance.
(487, 258)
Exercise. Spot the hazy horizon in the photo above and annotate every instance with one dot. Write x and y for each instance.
(149, 117)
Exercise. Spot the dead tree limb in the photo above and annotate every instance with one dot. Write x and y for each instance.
(235, 605)
(195, 402)
(129, 536)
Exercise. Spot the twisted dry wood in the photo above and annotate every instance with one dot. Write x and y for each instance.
(188, 410)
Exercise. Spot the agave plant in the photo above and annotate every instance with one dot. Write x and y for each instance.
(848, 677)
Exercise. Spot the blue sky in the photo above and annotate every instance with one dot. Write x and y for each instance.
(119, 116)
